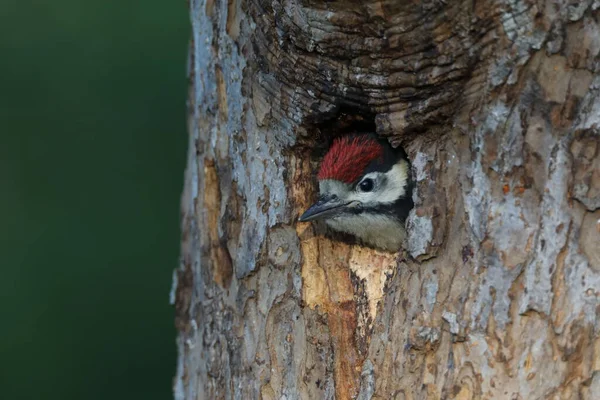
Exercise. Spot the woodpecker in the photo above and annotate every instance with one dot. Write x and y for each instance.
(365, 190)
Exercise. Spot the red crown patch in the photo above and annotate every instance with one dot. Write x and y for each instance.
(348, 157)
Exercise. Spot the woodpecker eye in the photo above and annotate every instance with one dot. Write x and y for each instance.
(366, 185)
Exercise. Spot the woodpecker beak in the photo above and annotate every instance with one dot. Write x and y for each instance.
(327, 206)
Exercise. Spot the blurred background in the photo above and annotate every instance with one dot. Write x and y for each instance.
(92, 155)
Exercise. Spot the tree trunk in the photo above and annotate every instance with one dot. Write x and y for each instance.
(497, 296)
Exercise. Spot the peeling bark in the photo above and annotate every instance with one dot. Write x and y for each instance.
(497, 295)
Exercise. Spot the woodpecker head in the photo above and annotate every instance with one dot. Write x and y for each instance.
(365, 190)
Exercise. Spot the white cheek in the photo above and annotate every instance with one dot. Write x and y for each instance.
(393, 190)
(363, 197)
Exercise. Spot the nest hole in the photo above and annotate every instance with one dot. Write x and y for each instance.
(316, 139)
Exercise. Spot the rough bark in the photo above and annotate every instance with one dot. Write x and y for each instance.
(498, 106)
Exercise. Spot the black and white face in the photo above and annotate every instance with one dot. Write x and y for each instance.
(374, 192)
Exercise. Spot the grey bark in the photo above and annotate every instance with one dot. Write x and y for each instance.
(497, 295)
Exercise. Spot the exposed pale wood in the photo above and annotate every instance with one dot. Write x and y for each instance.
(498, 293)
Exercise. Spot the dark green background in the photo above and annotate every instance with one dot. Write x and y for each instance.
(92, 154)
